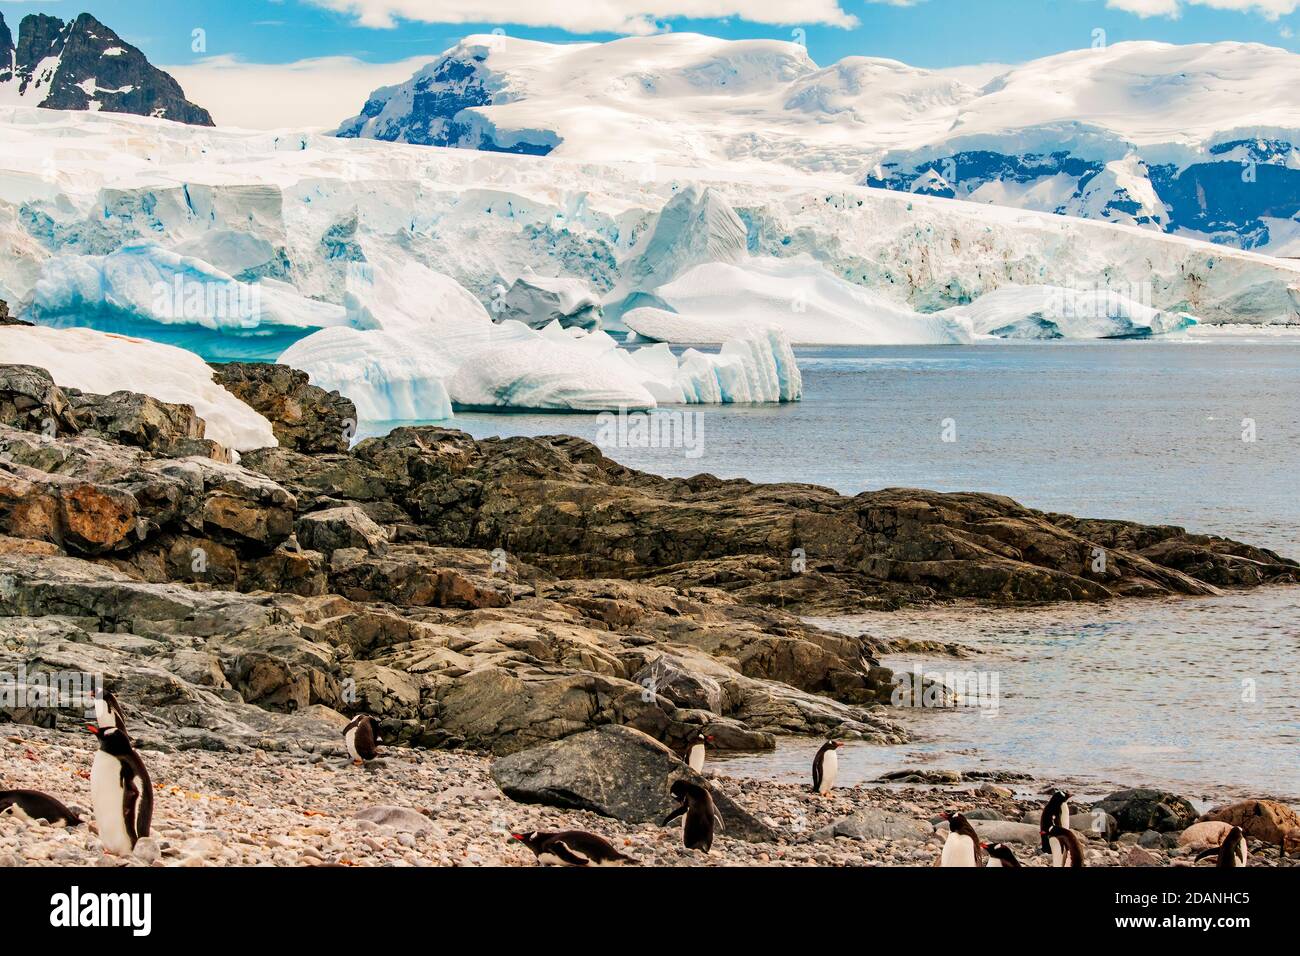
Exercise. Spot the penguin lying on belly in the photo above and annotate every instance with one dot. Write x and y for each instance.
(571, 848)
(701, 815)
(39, 806)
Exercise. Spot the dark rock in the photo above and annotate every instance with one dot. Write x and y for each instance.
(616, 772)
(130, 418)
(87, 76)
(30, 400)
(5, 317)
(344, 527)
(666, 676)
(303, 418)
(1139, 810)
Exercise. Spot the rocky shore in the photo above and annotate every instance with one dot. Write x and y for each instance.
(487, 596)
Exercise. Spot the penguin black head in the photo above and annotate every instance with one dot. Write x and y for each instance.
(533, 840)
(1000, 851)
(111, 740)
(834, 744)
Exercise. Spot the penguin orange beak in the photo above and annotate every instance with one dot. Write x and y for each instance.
(517, 836)
(92, 728)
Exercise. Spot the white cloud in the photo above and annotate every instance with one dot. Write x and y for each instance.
(589, 16)
(1271, 9)
(319, 92)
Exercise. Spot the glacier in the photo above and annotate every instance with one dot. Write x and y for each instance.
(1200, 140)
(103, 363)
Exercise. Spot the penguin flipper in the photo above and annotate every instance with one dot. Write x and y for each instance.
(144, 819)
(1206, 854)
(674, 815)
(130, 797)
(562, 850)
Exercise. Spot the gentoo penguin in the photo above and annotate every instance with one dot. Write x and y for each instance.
(1000, 855)
(695, 751)
(701, 815)
(571, 848)
(360, 738)
(962, 848)
(1065, 847)
(826, 767)
(39, 806)
(120, 791)
(1231, 852)
(108, 713)
(1055, 814)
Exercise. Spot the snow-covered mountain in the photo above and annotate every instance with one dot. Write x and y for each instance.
(83, 65)
(1196, 141)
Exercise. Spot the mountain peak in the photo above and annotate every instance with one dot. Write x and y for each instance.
(85, 65)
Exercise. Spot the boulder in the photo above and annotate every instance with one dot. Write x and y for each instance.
(1007, 831)
(1207, 833)
(30, 400)
(667, 677)
(874, 824)
(303, 418)
(1142, 809)
(343, 527)
(614, 771)
(1266, 820)
(400, 819)
(144, 422)
(537, 301)
(1137, 856)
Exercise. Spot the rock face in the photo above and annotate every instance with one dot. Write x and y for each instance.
(499, 595)
(303, 417)
(1139, 810)
(83, 65)
(5, 317)
(1266, 820)
(616, 772)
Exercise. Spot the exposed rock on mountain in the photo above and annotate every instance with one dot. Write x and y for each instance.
(83, 65)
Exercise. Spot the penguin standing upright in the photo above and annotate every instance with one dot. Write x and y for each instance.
(1001, 855)
(1065, 847)
(826, 767)
(360, 738)
(121, 791)
(1055, 814)
(962, 848)
(571, 848)
(695, 751)
(701, 815)
(1231, 852)
(39, 806)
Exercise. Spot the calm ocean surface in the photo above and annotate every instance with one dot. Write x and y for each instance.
(1146, 430)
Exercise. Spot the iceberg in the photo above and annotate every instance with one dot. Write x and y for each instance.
(1052, 312)
(537, 301)
(102, 363)
(142, 288)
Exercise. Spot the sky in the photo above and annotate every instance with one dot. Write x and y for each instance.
(268, 63)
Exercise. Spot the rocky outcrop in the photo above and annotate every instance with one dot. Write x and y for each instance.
(501, 594)
(303, 418)
(617, 772)
(5, 317)
(1140, 810)
(1266, 820)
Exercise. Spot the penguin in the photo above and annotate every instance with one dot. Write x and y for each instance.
(571, 848)
(962, 848)
(701, 814)
(360, 738)
(695, 751)
(39, 806)
(1065, 847)
(826, 767)
(1000, 855)
(1231, 852)
(1055, 814)
(108, 713)
(121, 791)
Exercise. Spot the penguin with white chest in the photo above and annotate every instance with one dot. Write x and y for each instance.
(39, 806)
(1065, 847)
(701, 815)
(695, 751)
(121, 791)
(1231, 852)
(962, 847)
(571, 848)
(1055, 814)
(826, 767)
(360, 738)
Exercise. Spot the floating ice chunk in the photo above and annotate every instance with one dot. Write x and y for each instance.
(101, 363)
(1051, 312)
(718, 301)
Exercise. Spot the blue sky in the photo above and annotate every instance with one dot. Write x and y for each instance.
(932, 33)
(321, 57)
